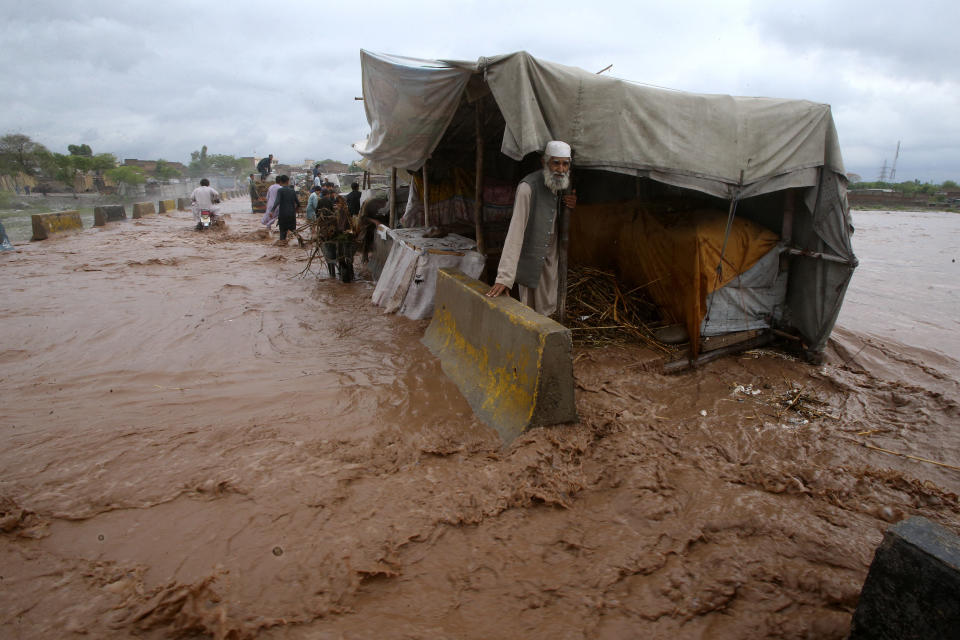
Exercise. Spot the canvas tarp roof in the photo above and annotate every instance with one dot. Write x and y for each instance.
(730, 147)
(697, 140)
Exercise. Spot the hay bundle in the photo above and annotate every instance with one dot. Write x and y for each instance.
(599, 312)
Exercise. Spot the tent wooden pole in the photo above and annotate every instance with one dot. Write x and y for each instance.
(478, 185)
(563, 222)
(426, 198)
(786, 233)
(393, 198)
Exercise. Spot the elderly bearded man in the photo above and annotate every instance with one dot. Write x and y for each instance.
(530, 251)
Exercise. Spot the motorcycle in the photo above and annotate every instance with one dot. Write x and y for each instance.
(208, 219)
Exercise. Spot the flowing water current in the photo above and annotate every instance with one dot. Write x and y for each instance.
(198, 442)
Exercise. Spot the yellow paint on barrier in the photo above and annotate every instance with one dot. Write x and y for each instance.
(46, 224)
(502, 355)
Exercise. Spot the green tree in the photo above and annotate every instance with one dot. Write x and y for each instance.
(63, 168)
(198, 162)
(950, 184)
(20, 154)
(103, 162)
(80, 150)
(226, 164)
(125, 175)
(165, 171)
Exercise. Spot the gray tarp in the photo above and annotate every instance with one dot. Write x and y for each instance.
(695, 141)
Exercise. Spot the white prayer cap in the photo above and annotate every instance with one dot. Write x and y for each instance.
(557, 149)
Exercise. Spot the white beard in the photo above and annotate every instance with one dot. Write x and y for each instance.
(556, 182)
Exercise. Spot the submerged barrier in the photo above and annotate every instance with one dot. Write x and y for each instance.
(47, 224)
(513, 365)
(183, 204)
(141, 209)
(108, 213)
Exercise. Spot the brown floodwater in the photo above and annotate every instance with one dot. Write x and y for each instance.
(199, 443)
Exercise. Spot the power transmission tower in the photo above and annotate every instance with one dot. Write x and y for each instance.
(893, 169)
(883, 172)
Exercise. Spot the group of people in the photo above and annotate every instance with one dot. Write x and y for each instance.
(530, 256)
(282, 207)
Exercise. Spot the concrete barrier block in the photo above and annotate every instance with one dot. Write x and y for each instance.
(183, 204)
(513, 365)
(47, 224)
(166, 206)
(108, 213)
(913, 587)
(141, 209)
(161, 206)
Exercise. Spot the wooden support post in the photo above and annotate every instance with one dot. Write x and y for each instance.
(786, 233)
(478, 189)
(393, 198)
(426, 198)
(563, 224)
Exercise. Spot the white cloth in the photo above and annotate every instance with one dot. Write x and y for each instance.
(269, 217)
(543, 299)
(203, 199)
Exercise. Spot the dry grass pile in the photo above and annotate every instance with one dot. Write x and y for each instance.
(601, 312)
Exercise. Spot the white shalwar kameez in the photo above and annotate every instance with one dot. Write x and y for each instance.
(543, 299)
(203, 199)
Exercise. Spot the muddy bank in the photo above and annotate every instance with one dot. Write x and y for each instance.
(196, 441)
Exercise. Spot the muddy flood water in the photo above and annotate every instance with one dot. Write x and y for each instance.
(198, 443)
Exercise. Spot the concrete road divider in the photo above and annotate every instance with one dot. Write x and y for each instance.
(513, 365)
(912, 586)
(141, 209)
(161, 206)
(108, 213)
(166, 206)
(183, 204)
(47, 224)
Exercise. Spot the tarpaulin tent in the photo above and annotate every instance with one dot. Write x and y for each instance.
(777, 162)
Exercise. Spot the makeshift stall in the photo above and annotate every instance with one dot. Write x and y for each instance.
(408, 278)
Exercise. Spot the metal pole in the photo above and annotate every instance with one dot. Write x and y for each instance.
(478, 188)
(393, 198)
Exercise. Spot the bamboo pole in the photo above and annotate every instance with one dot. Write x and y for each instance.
(478, 185)
(786, 233)
(563, 222)
(393, 198)
(426, 199)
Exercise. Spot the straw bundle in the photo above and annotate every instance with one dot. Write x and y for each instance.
(599, 312)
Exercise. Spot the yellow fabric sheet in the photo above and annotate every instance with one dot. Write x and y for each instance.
(674, 254)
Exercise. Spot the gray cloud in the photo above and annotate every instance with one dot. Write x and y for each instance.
(162, 79)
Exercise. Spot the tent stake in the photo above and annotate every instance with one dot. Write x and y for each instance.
(478, 187)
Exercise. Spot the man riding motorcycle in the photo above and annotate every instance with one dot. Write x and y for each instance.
(204, 198)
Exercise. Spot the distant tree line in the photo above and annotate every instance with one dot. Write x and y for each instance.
(21, 155)
(910, 187)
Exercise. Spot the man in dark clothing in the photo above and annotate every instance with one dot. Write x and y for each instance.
(353, 199)
(264, 166)
(286, 205)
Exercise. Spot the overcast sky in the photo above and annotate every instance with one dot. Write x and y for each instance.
(161, 79)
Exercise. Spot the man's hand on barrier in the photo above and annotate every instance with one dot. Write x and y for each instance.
(570, 200)
(497, 290)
